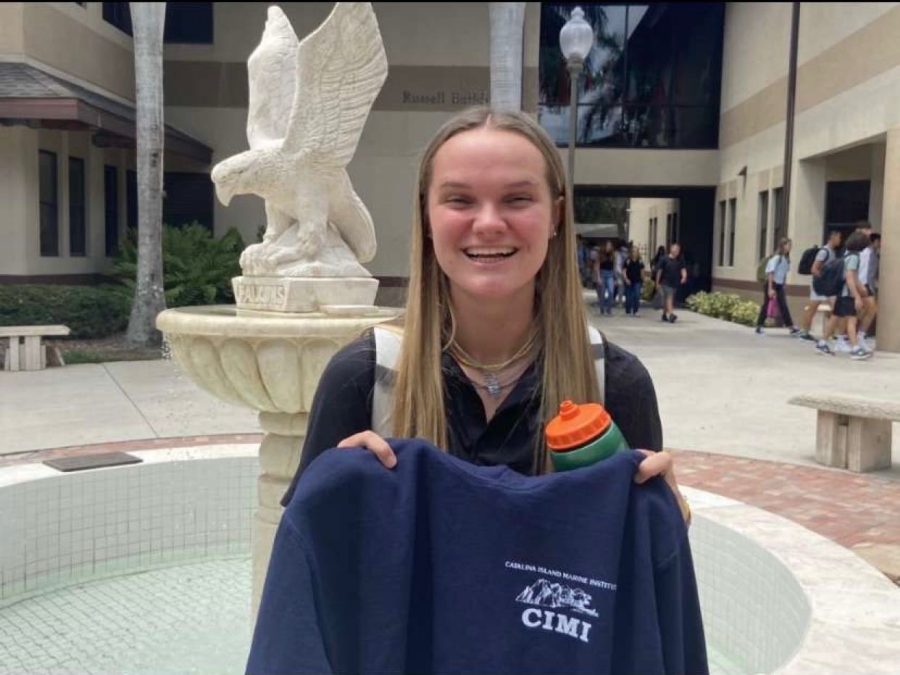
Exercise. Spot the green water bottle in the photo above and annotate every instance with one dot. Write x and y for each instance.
(581, 435)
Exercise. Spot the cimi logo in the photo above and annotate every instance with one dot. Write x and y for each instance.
(545, 594)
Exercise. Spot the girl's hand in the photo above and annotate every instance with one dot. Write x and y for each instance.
(374, 443)
(662, 464)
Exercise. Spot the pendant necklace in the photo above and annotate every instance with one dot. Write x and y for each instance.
(489, 371)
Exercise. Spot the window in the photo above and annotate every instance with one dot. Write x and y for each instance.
(652, 80)
(732, 217)
(118, 14)
(188, 199)
(671, 228)
(779, 218)
(111, 208)
(49, 208)
(77, 234)
(651, 227)
(186, 22)
(846, 203)
(763, 224)
(189, 23)
(131, 200)
(721, 229)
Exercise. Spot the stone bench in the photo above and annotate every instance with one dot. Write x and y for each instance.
(25, 351)
(852, 433)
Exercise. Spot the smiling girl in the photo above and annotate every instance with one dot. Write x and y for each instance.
(495, 332)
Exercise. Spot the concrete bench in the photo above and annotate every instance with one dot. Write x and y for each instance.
(852, 433)
(25, 351)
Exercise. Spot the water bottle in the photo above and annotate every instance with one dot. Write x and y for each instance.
(581, 435)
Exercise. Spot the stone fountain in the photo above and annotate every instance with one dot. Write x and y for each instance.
(304, 293)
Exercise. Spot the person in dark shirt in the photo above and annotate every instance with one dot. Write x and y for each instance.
(634, 281)
(670, 275)
(495, 330)
(606, 275)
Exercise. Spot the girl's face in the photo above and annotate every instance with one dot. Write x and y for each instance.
(490, 213)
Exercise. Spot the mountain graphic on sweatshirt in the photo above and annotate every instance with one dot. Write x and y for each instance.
(551, 594)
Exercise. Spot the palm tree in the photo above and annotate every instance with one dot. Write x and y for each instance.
(507, 28)
(148, 22)
(602, 79)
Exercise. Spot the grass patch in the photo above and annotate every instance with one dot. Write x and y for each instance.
(73, 356)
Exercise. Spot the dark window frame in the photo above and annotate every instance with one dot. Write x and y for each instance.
(779, 219)
(186, 22)
(722, 220)
(189, 197)
(762, 220)
(732, 226)
(111, 209)
(847, 202)
(634, 114)
(78, 224)
(48, 210)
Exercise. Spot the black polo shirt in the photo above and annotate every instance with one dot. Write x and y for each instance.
(342, 407)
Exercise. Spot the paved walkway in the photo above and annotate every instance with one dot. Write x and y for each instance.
(722, 394)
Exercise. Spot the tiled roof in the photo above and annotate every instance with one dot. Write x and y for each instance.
(20, 80)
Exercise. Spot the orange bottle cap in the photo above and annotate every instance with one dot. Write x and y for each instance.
(576, 425)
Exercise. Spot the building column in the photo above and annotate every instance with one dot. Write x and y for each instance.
(806, 206)
(876, 189)
(888, 338)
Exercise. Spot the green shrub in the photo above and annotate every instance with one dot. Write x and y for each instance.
(728, 306)
(197, 268)
(745, 313)
(648, 290)
(90, 311)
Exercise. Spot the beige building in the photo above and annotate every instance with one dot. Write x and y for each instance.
(695, 137)
(652, 222)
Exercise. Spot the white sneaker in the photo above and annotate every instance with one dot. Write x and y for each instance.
(842, 347)
(865, 344)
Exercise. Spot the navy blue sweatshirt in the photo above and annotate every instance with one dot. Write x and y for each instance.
(441, 566)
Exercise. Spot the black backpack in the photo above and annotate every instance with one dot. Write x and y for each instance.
(807, 260)
(831, 280)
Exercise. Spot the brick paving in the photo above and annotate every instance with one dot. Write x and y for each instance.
(859, 511)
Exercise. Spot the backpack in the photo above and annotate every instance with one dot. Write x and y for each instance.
(807, 260)
(387, 351)
(831, 280)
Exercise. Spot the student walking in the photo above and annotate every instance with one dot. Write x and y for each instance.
(606, 274)
(868, 270)
(773, 289)
(671, 274)
(825, 254)
(849, 301)
(634, 281)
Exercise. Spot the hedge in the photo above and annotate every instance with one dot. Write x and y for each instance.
(90, 311)
(728, 306)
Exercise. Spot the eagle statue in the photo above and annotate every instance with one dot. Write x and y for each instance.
(308, 104)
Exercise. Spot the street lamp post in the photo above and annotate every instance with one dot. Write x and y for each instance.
(575, 40)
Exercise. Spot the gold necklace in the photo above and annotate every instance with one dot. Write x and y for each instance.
(489, 372)
(467, 359)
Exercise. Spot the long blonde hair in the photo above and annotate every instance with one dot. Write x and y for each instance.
(568, 370)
